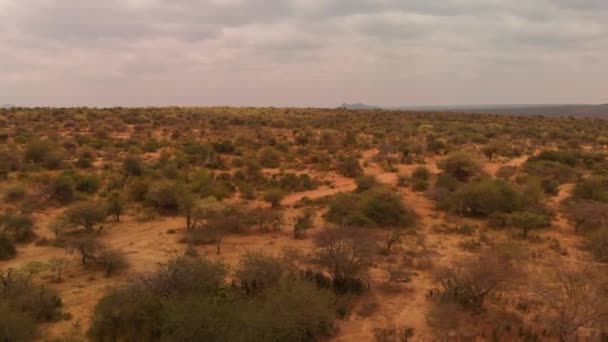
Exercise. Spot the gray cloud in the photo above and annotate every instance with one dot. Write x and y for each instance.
(301, 52)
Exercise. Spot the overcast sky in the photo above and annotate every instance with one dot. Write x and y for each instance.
(302, 52)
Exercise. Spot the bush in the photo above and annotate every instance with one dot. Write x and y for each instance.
(165, 196)
(274, 197)
(88, 183)
(365, 182)
(269, 158)
(347, 255)
(7, 247)
(350, 167)
(594, 189)
(85, 215)
(188, 300)
(420, 185)
(421, 173)
(483, 198)
(374, 207)
(62, 189)
(36, 151)
(262, 269)
(461, 165)
(112, 261)
(550, 169)
(15, 326)
(133, 166)
(20, 227)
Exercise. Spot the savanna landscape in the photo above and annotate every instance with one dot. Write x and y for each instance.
(294, 224)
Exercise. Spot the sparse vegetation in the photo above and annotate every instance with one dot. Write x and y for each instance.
(319, 217)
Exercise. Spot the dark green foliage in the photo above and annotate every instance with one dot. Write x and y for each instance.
(188, 300)
(483, 198)
(566, 157)
(62, 189)
(88, 184)
(37, 151)
(23, 304)
(594, 189)
(20, 227)
(561, 173)
(375, 207)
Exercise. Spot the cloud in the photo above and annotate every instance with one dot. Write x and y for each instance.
(301, 52)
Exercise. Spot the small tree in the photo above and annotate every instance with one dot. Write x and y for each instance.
(303, 223)
(471, 281)
(86, 245)
(274, 197)
(115, 206)
(346, 254)
(392, 237)
(528, 221)
(85, 215)
(575, 299)
(587, 215)
(57, 266)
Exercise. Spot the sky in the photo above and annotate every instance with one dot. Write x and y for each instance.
(317, 53)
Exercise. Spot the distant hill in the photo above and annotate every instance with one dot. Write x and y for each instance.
(357, 106)
(7, 106)
(576, 110)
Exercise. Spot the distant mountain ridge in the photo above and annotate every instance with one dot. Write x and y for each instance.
(577, 110)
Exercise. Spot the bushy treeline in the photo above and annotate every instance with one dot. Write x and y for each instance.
(190, 300)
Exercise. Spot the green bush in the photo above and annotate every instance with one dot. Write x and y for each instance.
(88, 183)
(188, 300)
(85, 215)
(483, 198)
(20, 227)
(550, 169)
(461, 165)
(421, 173)
(274, 197)
(62, 189)
(594, 189)
(374, 207)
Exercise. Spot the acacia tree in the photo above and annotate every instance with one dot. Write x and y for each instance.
(86, 245)
(471, 281)
(346, 254)
(587, 214)
(574, 299)
(85, 215)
